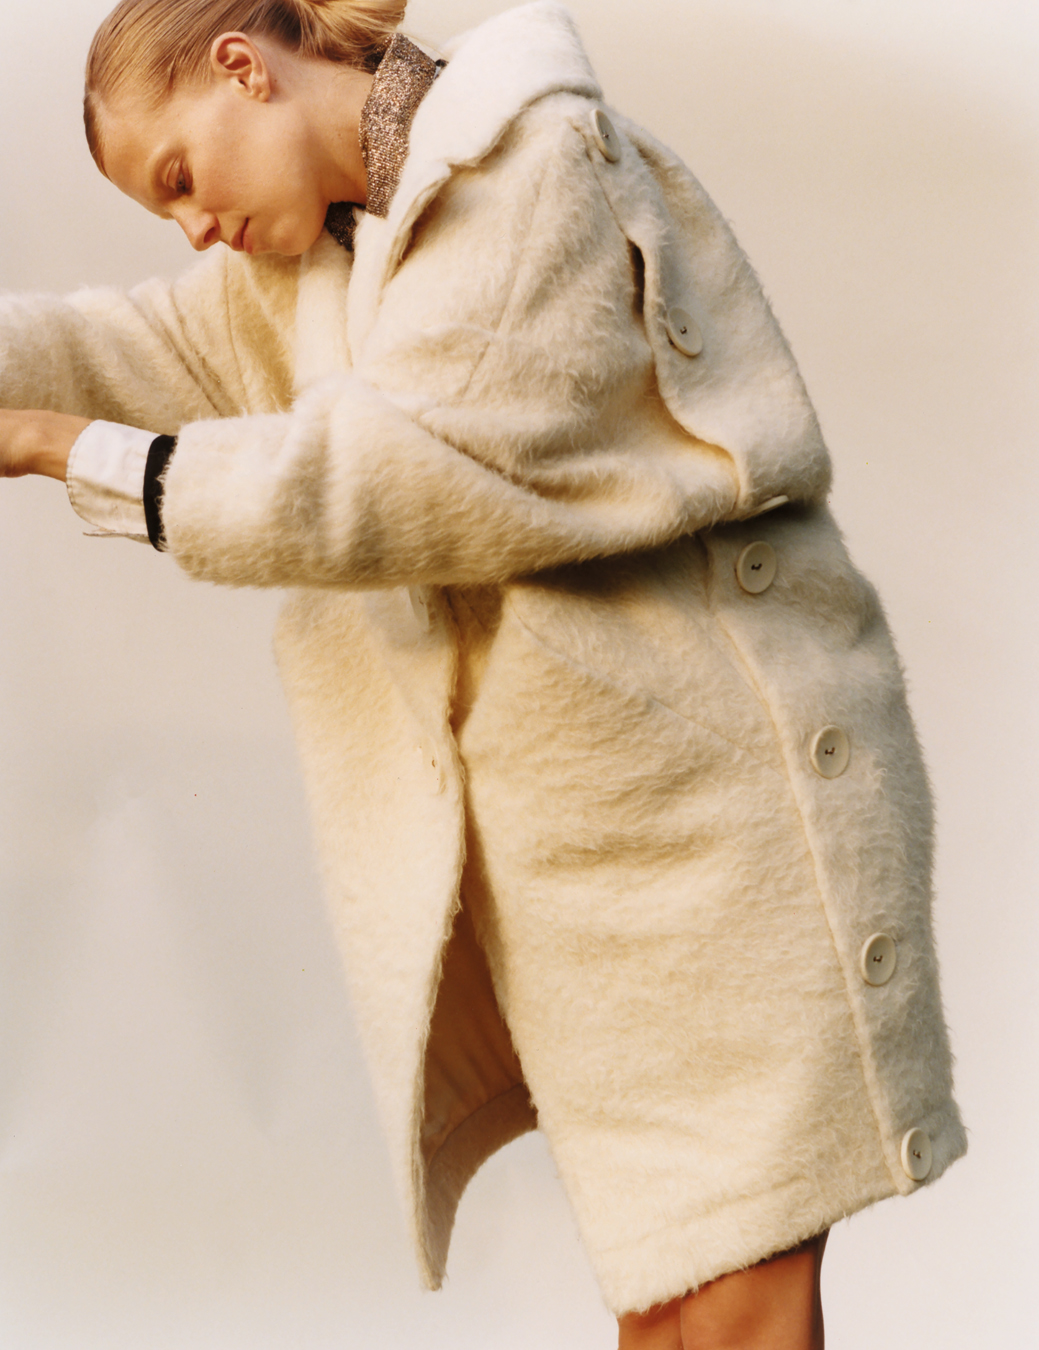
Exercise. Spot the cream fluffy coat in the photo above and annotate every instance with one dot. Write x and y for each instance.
(521, 667)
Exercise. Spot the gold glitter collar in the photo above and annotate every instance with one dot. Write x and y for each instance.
(404, 77)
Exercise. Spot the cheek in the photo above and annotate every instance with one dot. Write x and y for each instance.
(290, 162)
(296, 197)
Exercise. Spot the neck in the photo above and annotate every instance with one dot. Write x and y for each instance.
(343, 99)
(332, 97)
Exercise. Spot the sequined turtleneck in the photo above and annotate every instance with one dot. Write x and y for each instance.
(403, 78)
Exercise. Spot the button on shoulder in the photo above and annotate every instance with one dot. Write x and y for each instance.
(684, 332)
(606, 138)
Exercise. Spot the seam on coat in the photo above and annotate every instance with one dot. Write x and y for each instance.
(394, 262)
(448, 1181)
(694, 721)
(219, 386)
(162, 331)
(520, 257)
(515, 1090)
(653, 250)
(862, 1039)
(636, 693)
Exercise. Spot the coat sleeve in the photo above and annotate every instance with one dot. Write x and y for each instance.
(157, 356)
(501, 416)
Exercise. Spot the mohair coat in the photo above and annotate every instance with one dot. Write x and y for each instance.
(525, 674)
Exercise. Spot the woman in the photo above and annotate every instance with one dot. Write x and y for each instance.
(623, 821)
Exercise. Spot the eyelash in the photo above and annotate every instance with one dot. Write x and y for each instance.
(180, 185)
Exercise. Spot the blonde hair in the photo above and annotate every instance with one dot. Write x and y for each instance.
(155, 45)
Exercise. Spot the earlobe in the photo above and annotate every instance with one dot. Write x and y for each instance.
(235, 57)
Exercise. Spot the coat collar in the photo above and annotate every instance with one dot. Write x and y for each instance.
(494, 72)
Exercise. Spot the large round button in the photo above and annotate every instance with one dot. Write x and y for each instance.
(683, 331)
(606, 137)
(756, 567)
(916, 1154)
(878, 958)
(830, 752)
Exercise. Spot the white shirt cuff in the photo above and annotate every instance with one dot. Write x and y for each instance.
(105, 478)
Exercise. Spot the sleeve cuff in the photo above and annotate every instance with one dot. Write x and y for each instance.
(105, 478)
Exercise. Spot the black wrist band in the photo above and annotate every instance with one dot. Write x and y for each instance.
(159, 453)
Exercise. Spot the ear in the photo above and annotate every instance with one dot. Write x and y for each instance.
(235, 57)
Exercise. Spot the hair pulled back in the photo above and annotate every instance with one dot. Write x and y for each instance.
(156, 45)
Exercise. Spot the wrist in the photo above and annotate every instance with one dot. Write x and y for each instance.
(56, 434)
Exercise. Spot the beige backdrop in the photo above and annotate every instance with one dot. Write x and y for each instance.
(188, 1156)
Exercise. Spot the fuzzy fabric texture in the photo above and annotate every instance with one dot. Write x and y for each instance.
(605, 776)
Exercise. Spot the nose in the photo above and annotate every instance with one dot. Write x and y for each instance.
(201, 227)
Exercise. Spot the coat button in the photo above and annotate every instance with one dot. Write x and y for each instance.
(683, 331)
(606, 137)
(432, 765)
(756, 567)
(878, 958)
(916, 1154)
(830, 752)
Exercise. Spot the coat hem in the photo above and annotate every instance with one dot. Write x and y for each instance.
(679, 1258)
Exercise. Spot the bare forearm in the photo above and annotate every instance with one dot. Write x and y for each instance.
(37, 442)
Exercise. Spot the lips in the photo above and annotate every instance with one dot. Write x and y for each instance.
(240, 243)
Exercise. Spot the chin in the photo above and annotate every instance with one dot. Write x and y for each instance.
(288, 239)
(298, 239)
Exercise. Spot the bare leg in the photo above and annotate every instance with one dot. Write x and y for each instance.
(658, 1329)
(775, 1305)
